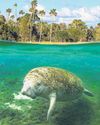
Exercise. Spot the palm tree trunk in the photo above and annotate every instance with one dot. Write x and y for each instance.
(51, 33)
(8, 16)
(30, 24)
(40, 33)
(32, 17)
(16, 14)
(30, 32)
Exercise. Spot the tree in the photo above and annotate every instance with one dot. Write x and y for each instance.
(21, 12)
(32, 16)
(41, 13)
(45, 30)
(97, 32)
(12, 17)
(53, 14)
(63, 26)
(98, 25)
(2, 19)
(77, 30)
(9, 12)
(90, 34)
(12, 32)
(24, 27)
(62, 36)
(7, 30)
(15, 5)
(2, 27)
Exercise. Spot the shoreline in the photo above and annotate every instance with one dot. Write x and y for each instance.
(50, 43)
(59, 43)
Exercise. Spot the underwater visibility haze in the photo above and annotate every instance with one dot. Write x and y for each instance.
(16, 60)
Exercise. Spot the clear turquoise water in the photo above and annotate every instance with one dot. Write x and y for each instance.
(17, 59)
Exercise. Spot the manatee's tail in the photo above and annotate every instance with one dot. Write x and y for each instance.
(87, 92)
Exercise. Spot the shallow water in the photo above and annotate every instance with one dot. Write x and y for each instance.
(17, 59)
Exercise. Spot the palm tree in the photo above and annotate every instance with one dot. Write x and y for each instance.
(12, 17)
(53, 14)
(42, 14)
(32, 15)
(9, 12)
(2, 19)
(15, 5)
(21, 12)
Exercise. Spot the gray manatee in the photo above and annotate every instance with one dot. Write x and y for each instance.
(54, 84)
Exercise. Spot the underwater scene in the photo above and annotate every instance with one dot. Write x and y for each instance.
(16, 60)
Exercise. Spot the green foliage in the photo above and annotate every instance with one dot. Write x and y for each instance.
(90, 34)
(8, 10)
(34, 3)
(2, 19)
(15, 5)
(62, 36)
(21, 12)
(23, 25)
(53, 14)
(42, 13)
(77, 30)
(97, 32)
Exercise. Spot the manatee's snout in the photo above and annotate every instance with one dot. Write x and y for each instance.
(28, 92)
(25, 91)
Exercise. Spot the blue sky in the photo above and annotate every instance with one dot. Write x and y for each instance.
(87, 10)
(69, 3)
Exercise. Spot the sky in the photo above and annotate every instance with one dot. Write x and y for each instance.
(68, 10)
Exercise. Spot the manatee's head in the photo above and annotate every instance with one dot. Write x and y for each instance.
(28, 89)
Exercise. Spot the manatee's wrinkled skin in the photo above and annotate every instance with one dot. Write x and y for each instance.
(44, 80)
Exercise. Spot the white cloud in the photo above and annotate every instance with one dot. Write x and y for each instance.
(89, 15)
(63, 20)
(95, 11)
(40, 7)
(84, 14)
(64, 12)
(66, 15)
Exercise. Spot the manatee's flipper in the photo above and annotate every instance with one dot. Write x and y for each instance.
(52, 104)
(87, 92)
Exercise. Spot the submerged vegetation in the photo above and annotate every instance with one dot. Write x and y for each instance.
(31, 27)
(36, 115)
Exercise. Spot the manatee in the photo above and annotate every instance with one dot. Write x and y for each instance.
(53, 83)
